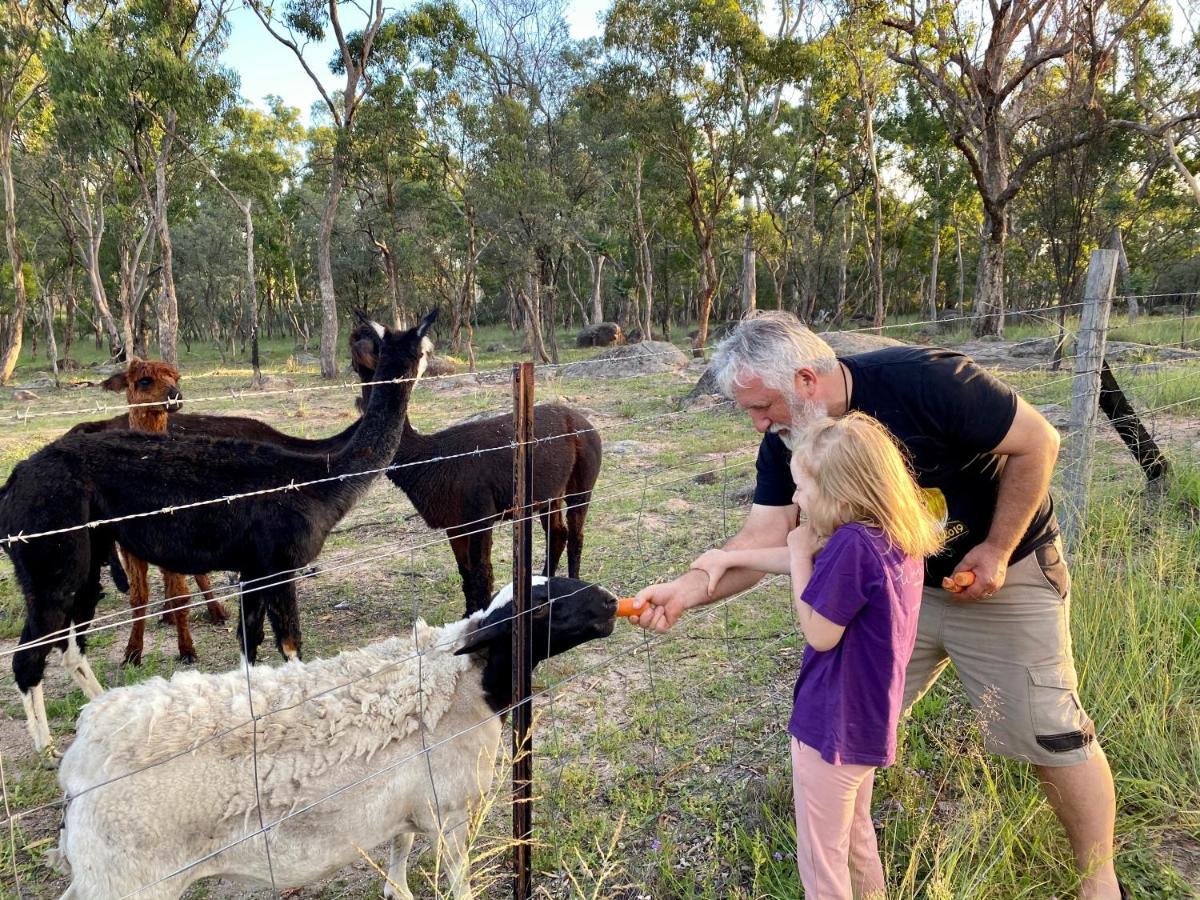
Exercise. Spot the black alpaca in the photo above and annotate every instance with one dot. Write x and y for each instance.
(85, 477)
(465, 496)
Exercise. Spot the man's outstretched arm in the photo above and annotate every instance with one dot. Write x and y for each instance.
(765, 526)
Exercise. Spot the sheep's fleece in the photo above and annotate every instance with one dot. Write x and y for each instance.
(196, 793)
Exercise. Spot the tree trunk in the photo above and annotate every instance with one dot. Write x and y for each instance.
(466, 301)
(94, 226)
(935, 255)
(596, 264)
(69, 323)
(528, 297)
(749, 264)
(11, 326)
(393, 289)
(989, 283)
(251, 294)
(168, 315)
(329, 318)
(51, 344)
(645, 258)
(839, 310)
(877, 202)
(707, 287)
(1115, 242)
(808, 288)
(962, 278)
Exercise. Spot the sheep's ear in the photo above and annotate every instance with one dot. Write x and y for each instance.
(481, 636)
(426, 322)
(116, 382)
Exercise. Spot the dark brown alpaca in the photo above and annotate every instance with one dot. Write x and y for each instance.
(467, 495)
(155, 382)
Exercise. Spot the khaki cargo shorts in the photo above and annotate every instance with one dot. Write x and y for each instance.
(1012, 653)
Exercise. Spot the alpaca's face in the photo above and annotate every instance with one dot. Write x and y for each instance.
(147, 381)
(368, 339)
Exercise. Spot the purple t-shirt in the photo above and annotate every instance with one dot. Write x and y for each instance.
(847, 699)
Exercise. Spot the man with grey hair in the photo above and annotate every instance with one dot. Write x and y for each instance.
(983, 458)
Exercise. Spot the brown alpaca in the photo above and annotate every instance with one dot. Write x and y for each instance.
(151, 381)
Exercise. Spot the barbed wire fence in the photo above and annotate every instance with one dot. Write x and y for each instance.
(682, 688)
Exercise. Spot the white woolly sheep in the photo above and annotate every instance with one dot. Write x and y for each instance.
(340, 761)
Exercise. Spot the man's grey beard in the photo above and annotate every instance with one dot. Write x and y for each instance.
(803, 413)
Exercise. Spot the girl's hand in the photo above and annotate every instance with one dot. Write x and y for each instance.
(803, 540)
(714, 563)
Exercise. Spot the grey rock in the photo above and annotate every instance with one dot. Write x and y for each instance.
(646, 358)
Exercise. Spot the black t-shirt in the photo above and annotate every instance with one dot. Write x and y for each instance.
(949, 414)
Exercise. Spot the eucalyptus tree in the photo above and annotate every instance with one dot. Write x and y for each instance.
(996, 74)
(23, 115)
(705, 65)
(932, 163)
(297, 23)
(404, 172)
(538, 180)
(1163, 81)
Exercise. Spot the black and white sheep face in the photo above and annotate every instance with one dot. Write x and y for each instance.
(567, 612)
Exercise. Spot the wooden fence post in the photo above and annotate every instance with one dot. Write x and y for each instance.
(1085, 391)
(522, 637)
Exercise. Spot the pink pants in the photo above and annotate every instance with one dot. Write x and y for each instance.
(836, 850)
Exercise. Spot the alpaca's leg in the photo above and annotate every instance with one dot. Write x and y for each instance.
(396, 887)
(176, 588)
(217, 613)
(556, 535)
(139, 595)
(76, 663)
(250, 625)
(284, 612)
(29, 667)
(481, 548)
(38, 722)
(476, 583)
(576, 515)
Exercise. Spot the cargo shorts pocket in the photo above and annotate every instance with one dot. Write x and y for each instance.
(1054, 567)
(1059, 723)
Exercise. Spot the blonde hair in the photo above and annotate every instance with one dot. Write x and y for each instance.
(860, 476)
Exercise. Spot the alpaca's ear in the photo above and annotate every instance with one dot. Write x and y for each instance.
(426, 322)
(482, 635)
(116, 382)
(362, 355)
(360, 316)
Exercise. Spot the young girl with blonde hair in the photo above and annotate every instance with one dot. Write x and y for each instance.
(856, 564)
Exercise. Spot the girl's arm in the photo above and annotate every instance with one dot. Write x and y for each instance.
(715, 563)
(820, 633)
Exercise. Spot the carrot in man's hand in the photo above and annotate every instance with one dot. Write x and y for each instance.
(959, 580)
(626, 608)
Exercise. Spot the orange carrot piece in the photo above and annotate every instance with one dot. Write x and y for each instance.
(626, 608)
(959, 580)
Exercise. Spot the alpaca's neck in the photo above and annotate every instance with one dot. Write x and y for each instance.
(414, 448)
(374, 441)
(147, 418)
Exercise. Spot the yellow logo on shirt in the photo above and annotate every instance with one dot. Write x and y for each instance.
(935, 501)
